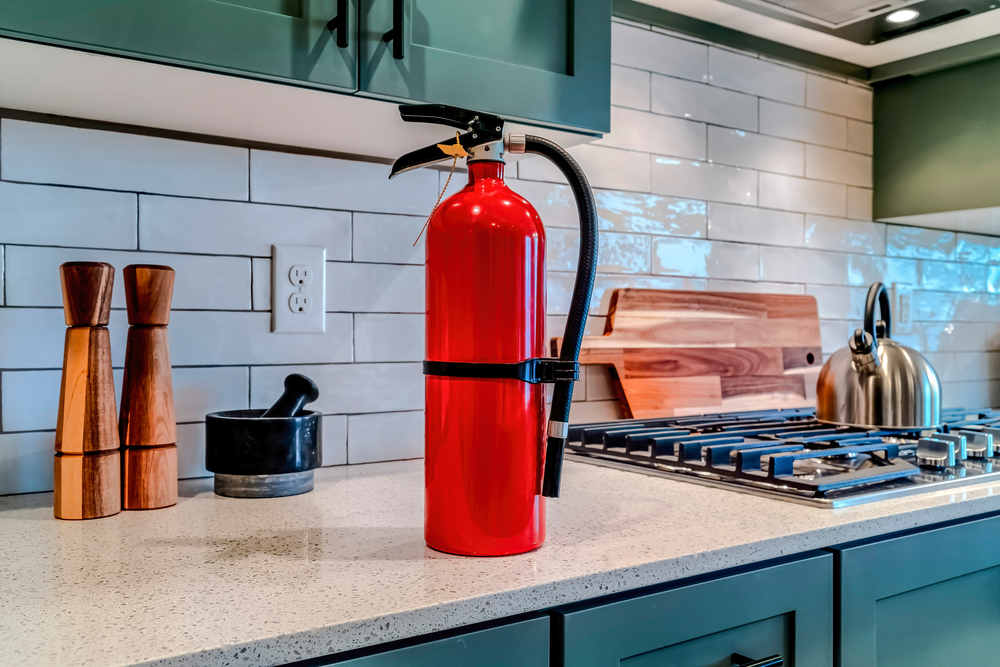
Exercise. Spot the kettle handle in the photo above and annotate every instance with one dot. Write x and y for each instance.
(877, 292)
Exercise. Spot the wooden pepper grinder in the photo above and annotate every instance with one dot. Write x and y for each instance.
(88, 463)
(147, 425)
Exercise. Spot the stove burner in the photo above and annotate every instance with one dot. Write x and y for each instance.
(788, 454)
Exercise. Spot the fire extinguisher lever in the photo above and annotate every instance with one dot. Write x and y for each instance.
(481, 129)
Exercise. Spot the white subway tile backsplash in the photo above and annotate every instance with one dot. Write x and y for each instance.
(860, 137)
(392, 239)
(651, 133)
(951, 336)
(618, 253)
(744, 224)
(919, 243)
(755, 76)
(31, 398)
(205, 338)
(794, 265)
(704, 259)
(838, 97)
(859, 203)
(953, 277)
(702, 102)
(605, 167)
(655, 52)
(648, 214)
(385, 437)
(793, 122)
(205, 283)
(346, 388)
(34, 337)
(968, 394)
(755, 287)
(191, 451)
(824, 233)
(977, 248)
(704, 180)
(26, 462)
(175, 224)
(798, 194)
(260, 270)
(827, 164)
(57, 154)
(72, 217)
(863, 270)
(834, 334)
(347, 185)
(388, 337)
(353, 287)
(955, 306)
(629, 87)
(756, 151)
(560, 289)
(835, 302)
(334, 444)
(553, 201)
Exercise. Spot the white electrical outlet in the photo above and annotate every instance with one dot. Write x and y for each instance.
(298, 289)
(902, 308)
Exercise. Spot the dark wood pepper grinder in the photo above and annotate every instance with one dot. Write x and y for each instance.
(87, 464)
(147, 424)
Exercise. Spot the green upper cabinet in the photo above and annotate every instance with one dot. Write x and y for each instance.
(541, 61)
(284, 40)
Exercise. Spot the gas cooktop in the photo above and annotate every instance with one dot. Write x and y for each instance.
(787, 454)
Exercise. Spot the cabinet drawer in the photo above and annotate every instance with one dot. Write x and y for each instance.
(922, 600)
(784, 608)
(522, 643)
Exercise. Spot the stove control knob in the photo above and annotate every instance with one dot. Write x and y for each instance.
(932, 453)
(958, 439)
(979, 444)
(995, 434)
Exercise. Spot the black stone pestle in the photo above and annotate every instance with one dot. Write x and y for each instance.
(299, 390)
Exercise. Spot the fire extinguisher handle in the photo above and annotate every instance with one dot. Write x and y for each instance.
(583, 289)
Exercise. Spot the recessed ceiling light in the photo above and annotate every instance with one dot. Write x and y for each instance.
(902, 16)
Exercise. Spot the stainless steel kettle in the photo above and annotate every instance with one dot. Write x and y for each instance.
(876, 382)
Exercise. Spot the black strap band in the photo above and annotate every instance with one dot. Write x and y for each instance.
(533, 371)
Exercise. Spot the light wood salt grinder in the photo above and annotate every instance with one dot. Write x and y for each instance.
(147, 425)
(87, 462)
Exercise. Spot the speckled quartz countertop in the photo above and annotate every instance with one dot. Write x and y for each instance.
(218, 581)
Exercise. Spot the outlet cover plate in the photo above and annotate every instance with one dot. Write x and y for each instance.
(902, 308)
(283, 318)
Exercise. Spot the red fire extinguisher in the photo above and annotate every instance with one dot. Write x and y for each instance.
(490, 459)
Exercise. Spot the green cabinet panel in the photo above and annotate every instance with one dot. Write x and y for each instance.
(523, 643)
(284, 40)
(543, 61)
(926, 599)
(784, 608)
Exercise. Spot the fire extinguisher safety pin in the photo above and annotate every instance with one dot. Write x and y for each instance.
(532, 371)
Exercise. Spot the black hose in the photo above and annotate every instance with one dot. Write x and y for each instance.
(586, 271)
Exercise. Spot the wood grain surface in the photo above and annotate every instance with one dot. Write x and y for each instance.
(678, 352)
(87, 419)
(147, 412)
(87, 486)
(148, 291)
(149, 477)
(86, 289)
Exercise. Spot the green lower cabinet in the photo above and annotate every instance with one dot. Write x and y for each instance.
(523, 643)
(782, 609)
(928, 599)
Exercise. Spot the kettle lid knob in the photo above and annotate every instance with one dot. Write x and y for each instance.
(861, 342)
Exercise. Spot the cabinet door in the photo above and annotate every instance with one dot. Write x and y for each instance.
(284, 40)
(547, 61)
(922, 600)
(784, 609)
(523, 643)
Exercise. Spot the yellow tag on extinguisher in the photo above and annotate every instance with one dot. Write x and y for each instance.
(454, 149)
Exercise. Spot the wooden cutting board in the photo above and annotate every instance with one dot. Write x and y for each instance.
(677, 352)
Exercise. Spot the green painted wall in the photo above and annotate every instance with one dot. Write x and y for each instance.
(937, 141)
